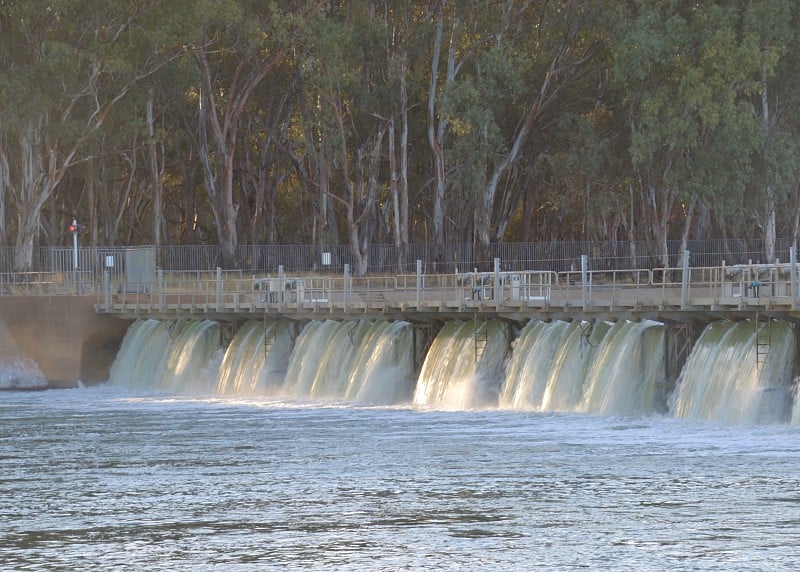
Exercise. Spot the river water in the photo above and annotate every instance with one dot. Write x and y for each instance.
(103, 478)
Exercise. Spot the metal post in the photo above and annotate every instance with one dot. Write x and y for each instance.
(585, 281)
(498, 290)
(161, 290)
(75, 281)
(281, 286)
(685, 277)
(419, 284)
(106, 290)
(75, 245)
(793, 279)
(219, 288)
(346, 287)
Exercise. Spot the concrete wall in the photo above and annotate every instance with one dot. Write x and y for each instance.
(64, 336)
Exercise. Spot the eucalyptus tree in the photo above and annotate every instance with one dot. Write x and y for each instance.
(347, 114)
(686, 72)
(768, 29)
(239, 44)
(404, 46)
(505, 70)
(66, 65)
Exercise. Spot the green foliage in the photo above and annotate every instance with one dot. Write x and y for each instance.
(694, 101)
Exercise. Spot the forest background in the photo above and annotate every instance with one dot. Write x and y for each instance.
(367, 122)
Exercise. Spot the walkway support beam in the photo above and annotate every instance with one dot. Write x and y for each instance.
(498, 287)
(346, 287)
(419, 283)
(685, 278)
(793, 278)
(219, 288)
(161, 290)
(585, 281)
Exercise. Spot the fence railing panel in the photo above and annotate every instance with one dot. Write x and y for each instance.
(387, 259)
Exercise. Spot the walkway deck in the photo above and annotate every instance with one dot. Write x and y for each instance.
(702, 294)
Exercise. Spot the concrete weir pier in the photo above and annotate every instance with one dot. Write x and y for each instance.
(62, 335)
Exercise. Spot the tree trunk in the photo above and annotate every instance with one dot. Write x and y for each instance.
(437, 128)
(224, 123)
(687, 224)
(156, 186)
(770, 225)
(5, 189)
(34, 190)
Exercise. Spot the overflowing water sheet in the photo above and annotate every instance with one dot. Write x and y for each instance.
(464, 366)
(592, 367)
(738, 373)
(735, 373)
(257, 358)
(174, 356)
(365, 361)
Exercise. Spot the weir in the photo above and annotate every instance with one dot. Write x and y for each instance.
(611, 343)
(601, 367)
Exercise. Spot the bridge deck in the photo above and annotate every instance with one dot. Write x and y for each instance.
(709, 294)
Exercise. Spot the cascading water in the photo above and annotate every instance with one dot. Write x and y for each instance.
(584, 366)
(593, 367)
(369, 362)
(257, 358)
(722, 381)
(627, 370)
(531, 363)
(461, 370)
(549, 363)
(169, 356)
(571, 363)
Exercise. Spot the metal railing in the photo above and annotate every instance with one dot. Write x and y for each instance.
(586, 286)
(388, 259)
(678, 288)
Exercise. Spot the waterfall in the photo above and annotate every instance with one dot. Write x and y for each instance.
(167, 355)
(593, 367)
(722, 381)
(734, 374)
(627, 370)
(256, 360)
(548, 365)
(531, 364)
(370, 362)
(461, 370)
(571, 363)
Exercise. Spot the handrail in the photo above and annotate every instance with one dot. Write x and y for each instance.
(233, 291)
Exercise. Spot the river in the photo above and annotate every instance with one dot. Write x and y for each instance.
(110, 478)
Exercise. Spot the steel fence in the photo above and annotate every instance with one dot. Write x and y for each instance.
(94, 262)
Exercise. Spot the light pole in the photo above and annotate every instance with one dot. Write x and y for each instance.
(73, 228)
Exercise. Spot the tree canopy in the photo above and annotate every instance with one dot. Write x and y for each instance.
(397, 121)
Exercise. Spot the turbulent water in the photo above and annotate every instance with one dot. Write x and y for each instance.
(17, 371)
(463, 367)
(581, 366)
(723, 381)
(170, 356)
(733, 375)
(114, 479)
(363, 361)
(554, 447)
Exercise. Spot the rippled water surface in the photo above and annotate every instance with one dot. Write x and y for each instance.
(101, 479)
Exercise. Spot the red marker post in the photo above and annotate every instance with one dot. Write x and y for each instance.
(73, 228)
